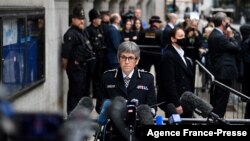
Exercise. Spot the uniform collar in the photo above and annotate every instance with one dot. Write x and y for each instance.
(130, 75)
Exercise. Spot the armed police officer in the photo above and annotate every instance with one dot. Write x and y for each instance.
(76, 52)
(96, 37)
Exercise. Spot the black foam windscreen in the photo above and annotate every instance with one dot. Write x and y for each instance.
(144, 114)
(171, 109)
(190, 101)
(83, 109)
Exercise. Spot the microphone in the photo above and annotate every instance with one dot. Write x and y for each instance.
(192, 102)
(79, 126)
(131, 115)
(117, 112)
(102, 119)
(174, 118)
(159, 120)
(78, 130)
(6, 108)
(83, 109)
(144, 114)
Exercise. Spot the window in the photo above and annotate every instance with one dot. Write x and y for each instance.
(22, 50)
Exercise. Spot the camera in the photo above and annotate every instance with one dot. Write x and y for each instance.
(227, 25)
(37, 126)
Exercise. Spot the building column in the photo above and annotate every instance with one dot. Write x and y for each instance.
(144, 10)
(159, 9)
(139, 4)
(124, 6)
(114, 6)
(102, 5)
(61, 11)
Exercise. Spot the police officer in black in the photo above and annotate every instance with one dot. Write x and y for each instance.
(76, 52)
(151, 46)
(96, 37)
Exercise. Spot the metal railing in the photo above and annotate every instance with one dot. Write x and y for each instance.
(238, 110)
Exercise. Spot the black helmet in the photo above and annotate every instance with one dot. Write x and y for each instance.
(94, 14)
(154, 19)
(78, 12)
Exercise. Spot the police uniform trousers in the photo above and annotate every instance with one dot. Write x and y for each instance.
(77, 84)
(95, 69)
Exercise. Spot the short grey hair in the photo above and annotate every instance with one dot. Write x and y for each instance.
(130, 47)
(218, 18)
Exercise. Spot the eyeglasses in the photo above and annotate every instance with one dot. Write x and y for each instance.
(130, 58)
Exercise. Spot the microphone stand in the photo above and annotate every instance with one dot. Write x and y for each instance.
(217, 119)
(131, 132)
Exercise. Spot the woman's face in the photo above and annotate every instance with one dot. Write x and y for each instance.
(137, 24)
(128, 25)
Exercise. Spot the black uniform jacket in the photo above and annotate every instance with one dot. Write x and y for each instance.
(141, 87)
(176, 78)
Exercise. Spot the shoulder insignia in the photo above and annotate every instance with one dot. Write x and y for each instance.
(142, 71)
(112, 70)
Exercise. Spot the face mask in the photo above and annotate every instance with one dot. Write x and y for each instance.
(181, 42)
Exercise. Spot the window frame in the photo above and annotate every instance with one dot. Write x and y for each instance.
(26, 13)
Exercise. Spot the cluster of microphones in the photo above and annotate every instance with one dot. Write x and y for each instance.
(124, 115)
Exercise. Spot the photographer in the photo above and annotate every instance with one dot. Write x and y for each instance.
(194, 41)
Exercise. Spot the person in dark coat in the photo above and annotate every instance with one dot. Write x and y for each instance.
(76, 52)
(113, 40)
(223, 49)
(150, 41)
(140, 85)
(245, 45)
(96, 67)
(172, 20)
(176, 74)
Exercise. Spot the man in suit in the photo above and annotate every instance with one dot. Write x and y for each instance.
(176, 74)
(113, 40)
(172, 19)
(223, 49)
(128, 81)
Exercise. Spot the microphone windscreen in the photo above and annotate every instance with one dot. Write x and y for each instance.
(83, 109)
(116, 113)
(171, 109)
(102, 119)
(144, 114)
(159, 120)
(87, 103)
(118, 103)
(190, 101)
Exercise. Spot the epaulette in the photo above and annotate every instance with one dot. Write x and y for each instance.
(142, 71)
(112, 70)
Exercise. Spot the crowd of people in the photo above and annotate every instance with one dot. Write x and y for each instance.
(114, 54)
